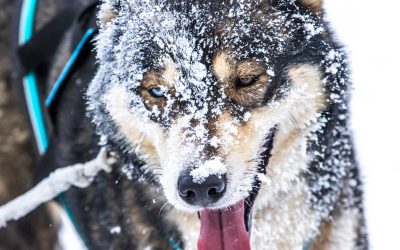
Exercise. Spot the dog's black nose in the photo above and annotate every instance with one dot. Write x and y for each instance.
(203, 194)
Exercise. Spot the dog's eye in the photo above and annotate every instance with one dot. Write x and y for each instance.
(242, 82)
(157, 92)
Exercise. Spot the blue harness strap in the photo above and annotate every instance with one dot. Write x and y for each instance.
(67, 69)
(174, 245)
(26, 29)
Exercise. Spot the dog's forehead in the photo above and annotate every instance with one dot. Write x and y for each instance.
(195, 31)
(146, 36)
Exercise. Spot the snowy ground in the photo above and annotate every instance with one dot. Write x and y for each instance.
(370, 31)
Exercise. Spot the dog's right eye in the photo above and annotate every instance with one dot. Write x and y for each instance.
(157, 92)
(242, 82)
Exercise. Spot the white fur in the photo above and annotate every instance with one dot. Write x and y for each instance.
(286, 222)
(282, 206)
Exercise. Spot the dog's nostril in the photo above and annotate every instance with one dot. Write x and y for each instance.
(190, 194)
(214, 193)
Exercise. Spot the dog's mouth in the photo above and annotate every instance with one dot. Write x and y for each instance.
(230, 228)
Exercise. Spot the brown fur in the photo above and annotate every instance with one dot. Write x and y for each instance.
(314, 5)
(323, 238)
(222, 67)
(108, 16)
(334, 233)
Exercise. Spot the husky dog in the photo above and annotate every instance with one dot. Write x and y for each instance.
(230, 119)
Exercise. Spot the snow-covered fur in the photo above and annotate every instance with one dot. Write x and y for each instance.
(198, 87)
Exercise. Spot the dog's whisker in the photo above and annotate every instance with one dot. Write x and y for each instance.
(163, 206)
(295, 124)
(155, 200)
(119, 178)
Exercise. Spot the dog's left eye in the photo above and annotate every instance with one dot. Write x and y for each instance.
(157, 92)
(242, 82)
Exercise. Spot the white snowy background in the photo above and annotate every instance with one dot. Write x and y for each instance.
(371, 32)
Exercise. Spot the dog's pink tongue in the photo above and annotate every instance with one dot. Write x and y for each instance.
(223, 230)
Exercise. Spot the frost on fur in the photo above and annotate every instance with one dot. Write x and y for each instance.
(143, 28)
(212, 167)
(313, 159)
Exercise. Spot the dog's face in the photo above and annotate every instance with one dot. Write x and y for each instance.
(197, 90)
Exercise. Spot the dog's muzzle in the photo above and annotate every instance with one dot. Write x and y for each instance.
(228, 228)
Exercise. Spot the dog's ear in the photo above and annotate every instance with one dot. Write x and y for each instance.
(314, 5)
